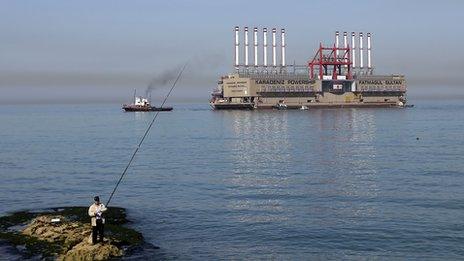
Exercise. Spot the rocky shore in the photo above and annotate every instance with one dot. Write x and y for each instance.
(65, 234)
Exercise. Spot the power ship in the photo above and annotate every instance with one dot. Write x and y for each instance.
(332, 78)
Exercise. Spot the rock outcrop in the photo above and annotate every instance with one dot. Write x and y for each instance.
(74, 236)
(68, 237)
(86, 251)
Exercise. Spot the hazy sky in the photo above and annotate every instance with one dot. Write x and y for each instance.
(85, 51)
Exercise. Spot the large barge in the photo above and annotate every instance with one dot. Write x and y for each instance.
(330, 79)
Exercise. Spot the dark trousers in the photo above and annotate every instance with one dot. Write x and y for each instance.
(97, 230)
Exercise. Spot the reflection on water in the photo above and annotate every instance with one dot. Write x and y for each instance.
(259, 139)
(362, 171)
(286, 185)
(260, 152)
(347, 148)
(363, 158)
(335, 148)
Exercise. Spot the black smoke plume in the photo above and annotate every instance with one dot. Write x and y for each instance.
(162, 79)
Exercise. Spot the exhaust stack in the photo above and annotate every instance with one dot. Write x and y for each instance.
(361, 54)
(246, 46)
(265, 47)
(274, 63)
(255, 40)
(345, 45)
(236, 49)
(353, 49)
(283, 47)
(337, 34)
(369, 64)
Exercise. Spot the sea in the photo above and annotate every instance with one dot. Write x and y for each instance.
(354, 183)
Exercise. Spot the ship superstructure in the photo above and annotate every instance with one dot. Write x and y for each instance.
(332, 78)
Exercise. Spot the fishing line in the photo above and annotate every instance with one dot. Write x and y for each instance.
(145, 135)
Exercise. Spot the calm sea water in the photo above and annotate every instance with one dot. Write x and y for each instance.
(325, 183)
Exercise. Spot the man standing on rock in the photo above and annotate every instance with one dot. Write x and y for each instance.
(96, 213)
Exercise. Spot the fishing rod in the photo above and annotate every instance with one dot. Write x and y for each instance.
(145, 135)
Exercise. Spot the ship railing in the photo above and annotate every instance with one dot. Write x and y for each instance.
(288, 70)
(285, 89)
(302, 76)
(382, 89)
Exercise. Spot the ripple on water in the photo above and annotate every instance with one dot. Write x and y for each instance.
(318, 184)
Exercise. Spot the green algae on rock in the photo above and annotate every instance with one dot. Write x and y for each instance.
(68, 239)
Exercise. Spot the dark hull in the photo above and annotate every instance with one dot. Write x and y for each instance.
(233, 106)
(248, 106)
(347, 105)
(146, 108)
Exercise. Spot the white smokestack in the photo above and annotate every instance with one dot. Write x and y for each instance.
(361, 58)
(369, 65)
(345, 45)
(283, 47)
(246, 46)
(255, 40)
(337, 34)
(274, 62)
(353, 49)
(236, 48)
(265, 46)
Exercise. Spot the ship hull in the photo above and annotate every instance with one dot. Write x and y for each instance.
(232, 106)
(144, 108)
(308, 106)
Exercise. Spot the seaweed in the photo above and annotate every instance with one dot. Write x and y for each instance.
(33, 246)
(16, 218)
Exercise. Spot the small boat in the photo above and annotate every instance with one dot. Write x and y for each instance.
(304, 108)
(401, 104)
(280, 106)
(142, 104)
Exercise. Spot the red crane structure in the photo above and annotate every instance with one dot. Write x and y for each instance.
(331, 60)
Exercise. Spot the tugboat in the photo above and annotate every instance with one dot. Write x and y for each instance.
(142, 104)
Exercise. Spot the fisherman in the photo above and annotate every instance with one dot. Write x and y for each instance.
(97, 220)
